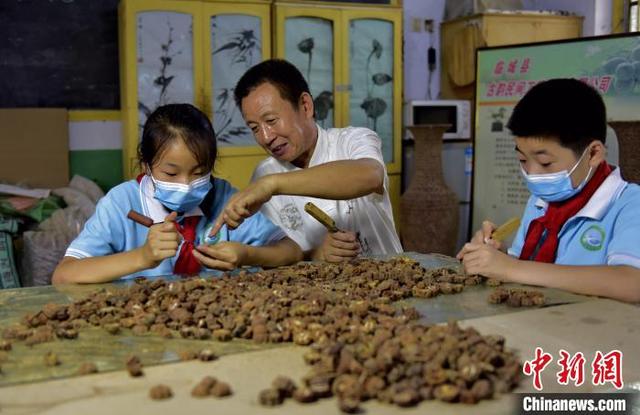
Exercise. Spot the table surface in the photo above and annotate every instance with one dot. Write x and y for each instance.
(571, 322)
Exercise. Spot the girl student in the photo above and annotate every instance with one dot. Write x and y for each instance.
(177, 191)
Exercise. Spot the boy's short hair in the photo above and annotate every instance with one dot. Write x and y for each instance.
(284, 76)
(564, 109)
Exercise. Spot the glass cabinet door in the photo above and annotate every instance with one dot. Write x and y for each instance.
(160, 64)
(164, 60)
(238, 38)
(308, 38)
(374, 79)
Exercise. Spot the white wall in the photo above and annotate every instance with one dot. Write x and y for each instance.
(416, 45)
(95, 135)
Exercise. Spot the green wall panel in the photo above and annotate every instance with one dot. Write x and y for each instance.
(102, 166)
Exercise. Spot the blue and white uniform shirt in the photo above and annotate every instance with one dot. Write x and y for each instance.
(606, 231)
(109, 231)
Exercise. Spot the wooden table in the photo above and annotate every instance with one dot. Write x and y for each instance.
(570, 322)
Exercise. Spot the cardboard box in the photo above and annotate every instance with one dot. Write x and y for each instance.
(34, 147)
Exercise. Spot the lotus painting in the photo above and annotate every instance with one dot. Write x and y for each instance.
(309, 46)
(371, 78)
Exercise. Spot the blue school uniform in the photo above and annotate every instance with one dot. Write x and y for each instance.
(605, 231)
(109, 231)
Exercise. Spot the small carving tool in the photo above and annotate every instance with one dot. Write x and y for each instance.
(503, 231)
(147, 221)
(140, 218)
(328, 222)
(321, 217)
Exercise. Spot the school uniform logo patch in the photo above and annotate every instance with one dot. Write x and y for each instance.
(290, 217)
(593, 238)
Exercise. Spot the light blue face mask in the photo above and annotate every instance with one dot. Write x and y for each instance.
(182, 197)
(555, 187)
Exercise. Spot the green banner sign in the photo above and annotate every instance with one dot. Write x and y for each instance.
(610, 64)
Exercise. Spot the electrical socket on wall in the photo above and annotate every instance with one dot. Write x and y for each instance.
(416, 24)
(428, 25)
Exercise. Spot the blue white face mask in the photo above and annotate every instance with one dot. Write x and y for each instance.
(555, 187)
(182, 197)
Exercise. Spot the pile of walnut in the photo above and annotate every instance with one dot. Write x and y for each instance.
(516, 297)
(362, 347)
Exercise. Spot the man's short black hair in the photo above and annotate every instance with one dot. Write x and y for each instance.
(564, 109)
(281, 74)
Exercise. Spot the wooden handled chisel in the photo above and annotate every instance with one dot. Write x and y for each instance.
(503, 231)
(321, 217)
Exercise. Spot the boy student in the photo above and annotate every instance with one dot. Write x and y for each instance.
(581, 227)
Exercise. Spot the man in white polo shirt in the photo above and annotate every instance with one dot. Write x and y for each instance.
(341, 170)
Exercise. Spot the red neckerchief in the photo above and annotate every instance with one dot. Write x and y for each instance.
(555, 217)
(186, 264)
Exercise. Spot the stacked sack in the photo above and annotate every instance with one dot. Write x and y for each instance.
(45, 247)
(8, 273)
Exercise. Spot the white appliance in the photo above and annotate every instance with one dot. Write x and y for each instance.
(457, 113)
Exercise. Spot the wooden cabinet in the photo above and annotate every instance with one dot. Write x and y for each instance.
(190, 51)
(461, 37)
(195, 51)
(351, 58)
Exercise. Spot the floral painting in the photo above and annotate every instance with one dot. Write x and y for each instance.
(236, 45)
(164, 60)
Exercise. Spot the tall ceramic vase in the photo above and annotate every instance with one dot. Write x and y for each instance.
(429, 209)
(628, 133)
